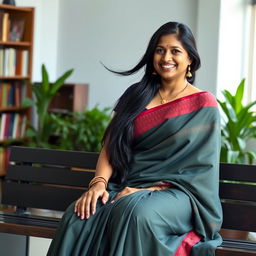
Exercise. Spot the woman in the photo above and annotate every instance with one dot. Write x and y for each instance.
(155, 191)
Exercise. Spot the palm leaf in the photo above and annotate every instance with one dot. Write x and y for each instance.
(239, 96)
(45, 79)
(59, 82)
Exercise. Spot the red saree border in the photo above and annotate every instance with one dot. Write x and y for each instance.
(153, 117)
(187, 243)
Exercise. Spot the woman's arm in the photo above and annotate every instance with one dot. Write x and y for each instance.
(103, 168)
(86, 204)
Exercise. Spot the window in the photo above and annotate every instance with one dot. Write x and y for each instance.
(251, 73)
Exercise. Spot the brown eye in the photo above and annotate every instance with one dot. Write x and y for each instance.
(159, 50)
(175, 51)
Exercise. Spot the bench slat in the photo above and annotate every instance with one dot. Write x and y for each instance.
(238, 172)
(239, 217)
(47, 196)
(80, 159)
(238, 192)
(27, 230)
(52, 175)
(233, 252)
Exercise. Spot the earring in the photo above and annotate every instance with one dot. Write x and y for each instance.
(154, 73)
(189, 74)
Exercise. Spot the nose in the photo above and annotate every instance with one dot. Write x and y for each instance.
(167, 56)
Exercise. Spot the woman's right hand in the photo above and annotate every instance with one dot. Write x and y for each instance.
(86, 204)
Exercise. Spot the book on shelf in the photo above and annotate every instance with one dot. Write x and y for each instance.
(12, 126)
(16, 30)
(11, 29)
(5, 26)
(11, 94)
(1, 24)
(14, 62)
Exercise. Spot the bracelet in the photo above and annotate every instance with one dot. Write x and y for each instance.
(97, 179)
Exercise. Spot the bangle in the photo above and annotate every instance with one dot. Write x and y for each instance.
(97, 179)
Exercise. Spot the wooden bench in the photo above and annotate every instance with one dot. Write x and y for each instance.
(52, 179)
(239, 207)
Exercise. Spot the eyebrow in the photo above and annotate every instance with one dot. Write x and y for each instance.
(173, 47)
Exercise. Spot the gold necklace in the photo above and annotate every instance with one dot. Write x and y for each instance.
(163, 101)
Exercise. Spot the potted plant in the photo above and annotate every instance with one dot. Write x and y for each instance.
(237, 127)
(73, 131)
(80, 130)
(43, 96)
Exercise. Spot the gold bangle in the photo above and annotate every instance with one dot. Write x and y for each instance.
(97, 179)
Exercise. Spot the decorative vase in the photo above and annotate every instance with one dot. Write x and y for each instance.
(10, 2)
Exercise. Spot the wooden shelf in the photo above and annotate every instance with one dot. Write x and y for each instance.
(15, 8)
(70, 98)
(20, 54)
(14, 77)
(13, 43)
(12, 141)
(13, 109)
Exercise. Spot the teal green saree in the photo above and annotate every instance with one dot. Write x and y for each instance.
(176, 143)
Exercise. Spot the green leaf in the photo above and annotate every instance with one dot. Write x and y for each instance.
(27, 102)
(232, 156)
(241, 143)
(251, 156)
(229, 97)
(228, 110)
(59, 82)
(30, 133)
(239, 96)
(45, 79)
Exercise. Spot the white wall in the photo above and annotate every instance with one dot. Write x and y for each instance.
(115, 32)
(45, 35)
(79, 35)
(207, 40)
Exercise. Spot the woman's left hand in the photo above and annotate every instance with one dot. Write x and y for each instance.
(126, 191)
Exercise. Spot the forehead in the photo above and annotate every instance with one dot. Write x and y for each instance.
(169, 40)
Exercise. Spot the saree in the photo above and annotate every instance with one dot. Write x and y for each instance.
(175, 143)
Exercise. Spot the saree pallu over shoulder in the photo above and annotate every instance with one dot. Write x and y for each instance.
(179, 143)
(156, 115)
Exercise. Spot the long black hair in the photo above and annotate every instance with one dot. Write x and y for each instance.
(118, 136)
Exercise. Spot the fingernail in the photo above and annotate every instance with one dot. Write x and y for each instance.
(112, 201)
(93, 212)
(104, 201)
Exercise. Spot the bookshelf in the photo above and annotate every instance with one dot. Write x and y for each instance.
(70, 98)
(16, 54)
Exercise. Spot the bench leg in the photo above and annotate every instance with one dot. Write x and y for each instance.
(27, 246)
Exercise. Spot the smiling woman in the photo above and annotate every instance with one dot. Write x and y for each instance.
(155, 190)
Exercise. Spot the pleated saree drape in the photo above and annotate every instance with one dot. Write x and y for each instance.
(175, 143)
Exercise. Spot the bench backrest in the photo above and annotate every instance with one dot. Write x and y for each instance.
(238, 195)
(52, 179)
(45, 178)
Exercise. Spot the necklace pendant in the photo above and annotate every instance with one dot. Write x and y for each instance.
(163, 101)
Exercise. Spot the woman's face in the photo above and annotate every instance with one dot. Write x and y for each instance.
(170, 58)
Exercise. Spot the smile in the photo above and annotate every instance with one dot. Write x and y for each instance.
(169, 66)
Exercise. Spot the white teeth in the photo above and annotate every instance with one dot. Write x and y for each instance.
(168, 66)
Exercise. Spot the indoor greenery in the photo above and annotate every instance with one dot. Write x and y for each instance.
(72, 131)
(237, 127)
(43, 92)
(80, 130)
